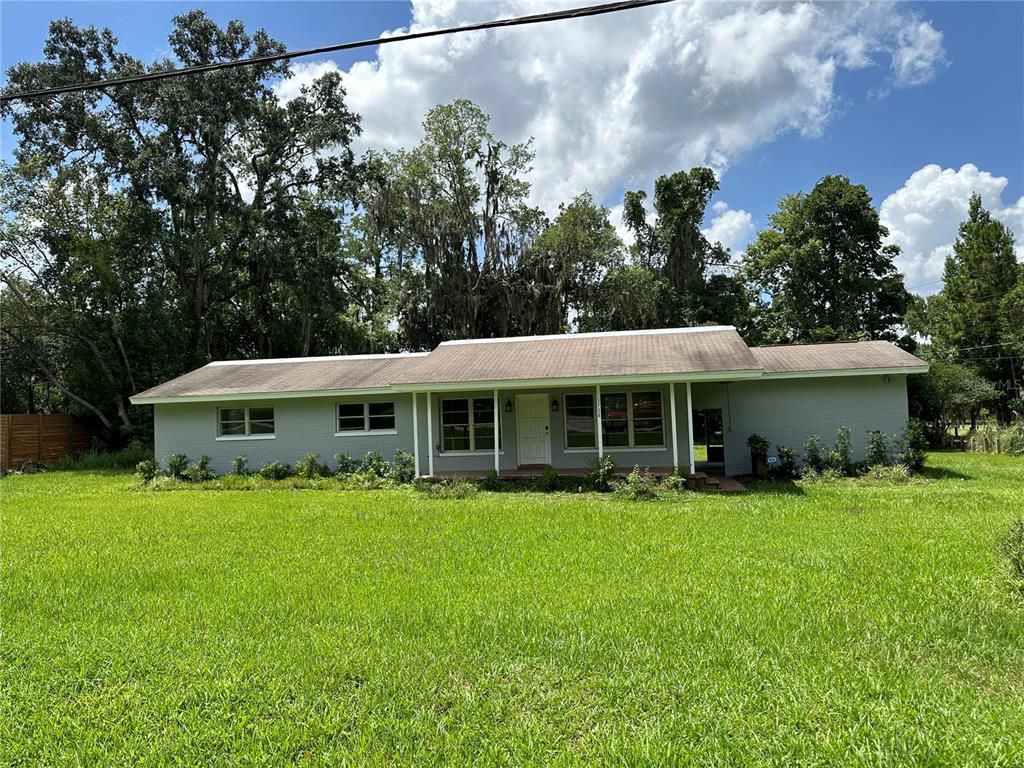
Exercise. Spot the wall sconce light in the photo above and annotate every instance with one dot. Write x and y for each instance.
(508, 405)
(554, 405)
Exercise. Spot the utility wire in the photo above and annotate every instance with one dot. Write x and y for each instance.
(537, 18)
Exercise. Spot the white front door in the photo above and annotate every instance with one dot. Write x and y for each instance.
(533, 429)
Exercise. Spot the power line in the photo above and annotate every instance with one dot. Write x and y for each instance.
(537, 18)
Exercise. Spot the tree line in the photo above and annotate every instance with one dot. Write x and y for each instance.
(151, 228)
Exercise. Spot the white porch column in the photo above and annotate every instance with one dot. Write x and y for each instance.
(430, 438)
(497, 467)
(689, 425)
(415, 434)
(597, 418)
(675, 427)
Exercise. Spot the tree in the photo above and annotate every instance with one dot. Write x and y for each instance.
(824, 269)
(948, 395)
(629, 298)
(972, 319)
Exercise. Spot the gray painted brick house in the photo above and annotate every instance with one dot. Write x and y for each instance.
(665, 397)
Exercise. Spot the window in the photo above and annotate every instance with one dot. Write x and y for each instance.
(245, 422)
(580, 429)
(366, 417)
(628, 420)
(468, 425)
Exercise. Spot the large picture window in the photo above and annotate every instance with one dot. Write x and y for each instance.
(366, 417)
(628, 420)
(467, 424)
(245, 422)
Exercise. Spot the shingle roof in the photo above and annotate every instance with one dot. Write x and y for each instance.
(572, 356)
(669, 352)
(857, 355)
(302, 374)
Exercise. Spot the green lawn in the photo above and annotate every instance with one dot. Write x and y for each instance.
(833, 624)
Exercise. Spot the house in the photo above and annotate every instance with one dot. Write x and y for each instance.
(668, 397)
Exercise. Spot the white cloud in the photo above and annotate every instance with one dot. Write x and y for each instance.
(731, 228)
(924, 214)
(617, 100)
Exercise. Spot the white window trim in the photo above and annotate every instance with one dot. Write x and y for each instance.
(473, 450)
(629, 422)
(366, 419)
(247, 420)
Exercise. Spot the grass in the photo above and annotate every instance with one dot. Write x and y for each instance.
(825, 624)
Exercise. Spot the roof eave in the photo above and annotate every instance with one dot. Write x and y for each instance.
(143, 399)
(820, 374)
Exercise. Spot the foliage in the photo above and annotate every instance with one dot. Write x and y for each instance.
(890, 473)
(824, 268)
(600, 472)
(641, 485)
(309, 467)
(841, 450)
(950, 393)
(346, 464)
(1012, 548)
(403, 468)
(814, 454)
(98, 459)
(147, 470)
(491, 481)
(990, 438)
(825, 475)
(878, 449)
(240, 466)
(912, 446)
(373, 463)
(275, 470)
(200, 471)
(548, 480)
(456, 488)
(177, 465)
(786, 469)
(758, 445)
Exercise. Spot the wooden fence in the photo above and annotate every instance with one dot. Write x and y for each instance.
(39, 437)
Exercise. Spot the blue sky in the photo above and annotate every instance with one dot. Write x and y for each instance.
(922, 102)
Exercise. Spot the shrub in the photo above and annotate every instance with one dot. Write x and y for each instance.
(600, 472)
(896, 473)
(640, 485)
(240, 466)
(346, 464)
(758, 445)
(825, 475)
(200, 472)
(490, 481)
(98, 458)
(1012, 548)
(912, 446)
(374, 463)
(367, 481)
(548, 480)
(309, 467)
(786, 470)
(275, 470)
(814, 454)
(675, 483)
(147, 470)
(458, 488)
(878, 451)
(177, 465)
(840, 452)
(403, 468)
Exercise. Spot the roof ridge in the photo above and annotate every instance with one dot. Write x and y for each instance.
(590, 335)
(318, 359)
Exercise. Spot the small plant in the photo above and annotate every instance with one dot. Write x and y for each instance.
(367, 481)
(600, 472)
(826, 475)
(814, 454)
(912, 446)
(177, 465)
(374, 463)
(240, 466)
(675, 483)
(147, 470)
(840, 453)
(200, 472)
(275, 470)
(346, 464)
(309, 467)
(1012, 548)
(548, 480)
(758, 454)
(641, 485)
(878, 450)
(458, 488)
(896, 473)
(490, 481)
(786, 469)
(403, 468)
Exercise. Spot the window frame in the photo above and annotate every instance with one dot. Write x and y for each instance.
(599, 421)
(247, 420)
(367, 429)
(470, 411)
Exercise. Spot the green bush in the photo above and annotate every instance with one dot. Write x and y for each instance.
(200, 472)
(894, 473)
(758, 445)
(490, 481)
(275, 470)
(600, 473)
(912, 446)
(177, 465)
(826, 475)
(878, 450)
(840, 453)
(457, 488)
(786, 470)
(403, 468)
(240, 466)
(374, 463)
(309, 467)
(346, 464)
(640, 485)
(366, 481)
(98, 459)
(548, 480)
(814, 454)
(675, 483)
(147, 470)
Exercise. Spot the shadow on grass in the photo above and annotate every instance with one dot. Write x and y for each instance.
(943, 473)
(771, 487)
